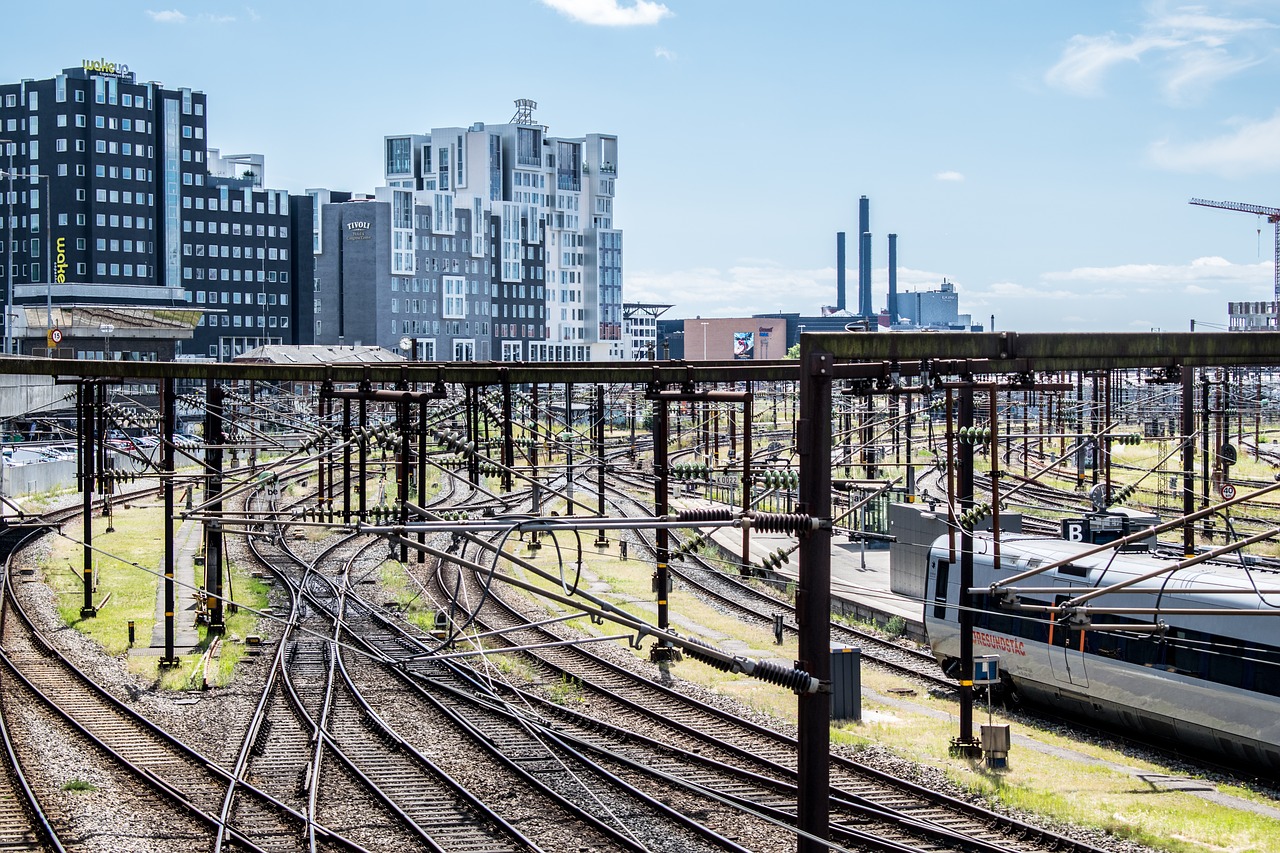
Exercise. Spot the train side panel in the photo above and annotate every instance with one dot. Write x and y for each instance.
(1070, 670)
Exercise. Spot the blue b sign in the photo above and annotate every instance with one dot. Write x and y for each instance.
(986, 669)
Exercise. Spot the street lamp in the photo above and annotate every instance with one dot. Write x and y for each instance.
(7, 253)
(704, 340)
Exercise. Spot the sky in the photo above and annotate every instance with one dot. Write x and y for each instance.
(1040, 156)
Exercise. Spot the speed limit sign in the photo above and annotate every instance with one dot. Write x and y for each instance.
(55, 337)
(1228, 491)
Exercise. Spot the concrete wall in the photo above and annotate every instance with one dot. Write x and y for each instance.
(60, 475)
(719, 338)
(22, 394)
(915, 527)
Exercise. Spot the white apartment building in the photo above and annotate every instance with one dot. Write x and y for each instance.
(538, 210)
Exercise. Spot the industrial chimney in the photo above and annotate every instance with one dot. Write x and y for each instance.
(864, 257)
(839, 270)
(893, 279)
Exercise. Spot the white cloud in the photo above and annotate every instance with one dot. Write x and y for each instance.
(1139, 296)
(758, 286)
(948, 176)
(663, 53)
(1188, 49)
(1252, 148)
(737, 291)
(1210, 274)
(173, 16)
(1087, 58)
(168, 16)
(1198, 70)
(609, 13)
(1013, 290)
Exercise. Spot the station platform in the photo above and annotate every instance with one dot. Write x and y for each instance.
(859, 574)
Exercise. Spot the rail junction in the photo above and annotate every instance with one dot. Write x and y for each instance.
(368, 727)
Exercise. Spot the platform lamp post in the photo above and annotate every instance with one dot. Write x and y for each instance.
(704, 340)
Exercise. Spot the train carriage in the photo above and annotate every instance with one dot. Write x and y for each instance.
(1210, 681)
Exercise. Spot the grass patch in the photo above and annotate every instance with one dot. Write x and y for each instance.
(566, 691)
(1061, 789)
(78, 785)
(139, 538)
(404, 595)
(252, 593)
(628, 585)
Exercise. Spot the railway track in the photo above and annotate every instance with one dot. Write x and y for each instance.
(413, 786)
(618, 693)
(759, 607)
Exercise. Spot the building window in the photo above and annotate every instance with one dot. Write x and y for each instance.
(455, 289)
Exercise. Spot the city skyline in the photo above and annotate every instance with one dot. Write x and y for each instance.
(1040, 160)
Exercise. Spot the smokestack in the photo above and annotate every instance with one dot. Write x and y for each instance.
(864, 257)
(840, 270)
(893, 279)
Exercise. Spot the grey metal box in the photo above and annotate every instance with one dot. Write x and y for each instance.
(846, 683)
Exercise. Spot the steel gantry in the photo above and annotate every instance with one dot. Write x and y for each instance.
(954, 360)
(877, 363)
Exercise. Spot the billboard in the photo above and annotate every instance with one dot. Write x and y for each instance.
(744, 345)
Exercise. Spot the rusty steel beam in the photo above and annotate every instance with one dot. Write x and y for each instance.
(947, 352)
(474, 373)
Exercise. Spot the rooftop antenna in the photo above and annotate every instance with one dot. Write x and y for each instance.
(524, 111)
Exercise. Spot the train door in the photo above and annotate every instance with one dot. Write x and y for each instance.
(1066, 651)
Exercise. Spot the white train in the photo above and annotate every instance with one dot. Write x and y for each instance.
(1209, 681)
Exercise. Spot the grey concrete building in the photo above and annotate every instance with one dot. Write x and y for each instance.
(933, 309)
(494, 242)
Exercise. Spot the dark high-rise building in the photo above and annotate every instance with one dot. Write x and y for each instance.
(114, 195)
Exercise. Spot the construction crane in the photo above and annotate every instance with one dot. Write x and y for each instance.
(1273, 216)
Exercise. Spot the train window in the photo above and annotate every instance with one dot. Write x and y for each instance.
(1225, 665)
(992, 618)
(1143, 650)
(940, 590)
(1073, 570)
(1266, 678)
(1106, 644)
(1059, 633)
(1035, 628)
